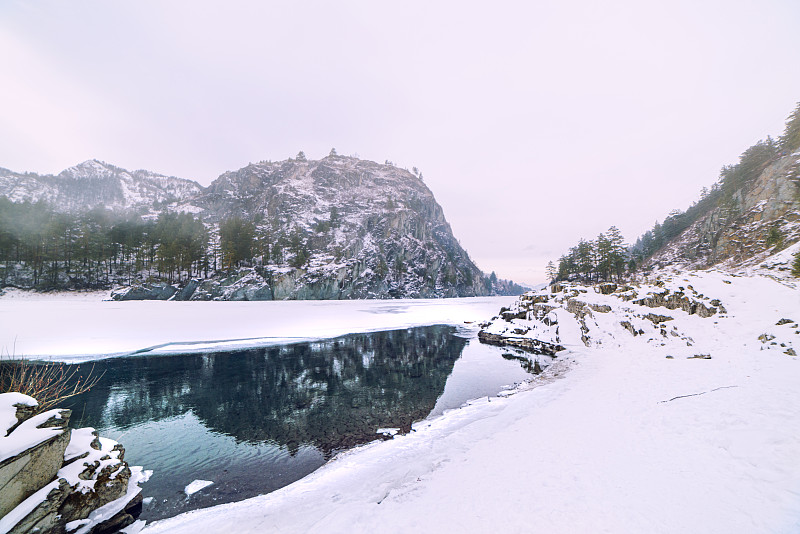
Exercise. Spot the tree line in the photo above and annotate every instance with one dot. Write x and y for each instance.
(50, 249)
(604, 259)
(46, 249)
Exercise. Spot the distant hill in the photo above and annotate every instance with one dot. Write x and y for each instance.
(94, 183)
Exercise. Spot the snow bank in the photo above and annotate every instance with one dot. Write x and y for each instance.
(627, 441)
(28, 434)
(8, 412)
(75, 330)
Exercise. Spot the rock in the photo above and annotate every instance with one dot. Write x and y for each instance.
(534, 298)
(784, 321)
(122, 519)
(606, 288)
(157, 291)
(676, 301)
(658, 319)
(629, 327)
(704, 311)
(186, 292)
(63, 477)
(515, 314)
(24, 474)
(44, 518)
(534, 345)
(577, 307)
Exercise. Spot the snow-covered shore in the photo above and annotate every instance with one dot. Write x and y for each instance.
(82, 326)
(627, 441)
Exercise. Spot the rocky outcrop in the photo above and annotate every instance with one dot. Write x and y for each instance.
(55, 480)
(30, 462)
(549, 321)
(156, 291)
(760, 218)
(676, 301)
(530, 344)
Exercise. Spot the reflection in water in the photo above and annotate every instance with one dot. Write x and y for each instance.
(253, 421)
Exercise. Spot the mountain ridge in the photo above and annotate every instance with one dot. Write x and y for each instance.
(338, 227)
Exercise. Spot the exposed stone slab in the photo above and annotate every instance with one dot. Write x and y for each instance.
(25, 473)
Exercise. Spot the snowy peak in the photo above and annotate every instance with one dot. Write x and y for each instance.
(90, 168)
(95, 183)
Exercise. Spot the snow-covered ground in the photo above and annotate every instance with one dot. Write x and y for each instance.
(627, 440)
(82, 326)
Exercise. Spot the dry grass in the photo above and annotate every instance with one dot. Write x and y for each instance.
(48, 383)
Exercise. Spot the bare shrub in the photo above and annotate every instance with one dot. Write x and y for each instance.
(49, 383)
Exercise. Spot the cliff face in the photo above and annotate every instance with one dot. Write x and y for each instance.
(369, 230)
(758, 219)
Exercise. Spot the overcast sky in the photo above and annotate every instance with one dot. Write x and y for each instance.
(534, 123)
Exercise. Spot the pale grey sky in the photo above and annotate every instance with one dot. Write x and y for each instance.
(534, 123)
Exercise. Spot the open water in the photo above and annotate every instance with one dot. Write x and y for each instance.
(253, 421)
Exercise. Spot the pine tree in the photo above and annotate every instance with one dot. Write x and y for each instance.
(790, 140)
(604, 260)
(585, 258)
(550, 271)
(237, 241)
(617, 251)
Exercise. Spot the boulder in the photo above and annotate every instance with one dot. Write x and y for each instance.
(23, 474)
(157, 291)
(55, 480)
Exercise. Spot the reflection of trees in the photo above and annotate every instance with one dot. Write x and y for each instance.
(332, 394)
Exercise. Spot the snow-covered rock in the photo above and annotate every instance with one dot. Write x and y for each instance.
(567, 314)
(55, 480)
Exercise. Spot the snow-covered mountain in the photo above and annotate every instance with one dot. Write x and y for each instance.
(339, 227)
(370, 230)
(95, 183)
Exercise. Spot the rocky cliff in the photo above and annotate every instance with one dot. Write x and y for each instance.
(755, 220)
(369, 230)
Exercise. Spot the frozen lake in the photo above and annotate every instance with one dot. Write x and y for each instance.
(83, 326)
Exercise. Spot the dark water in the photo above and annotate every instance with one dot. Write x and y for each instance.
(254, 421)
